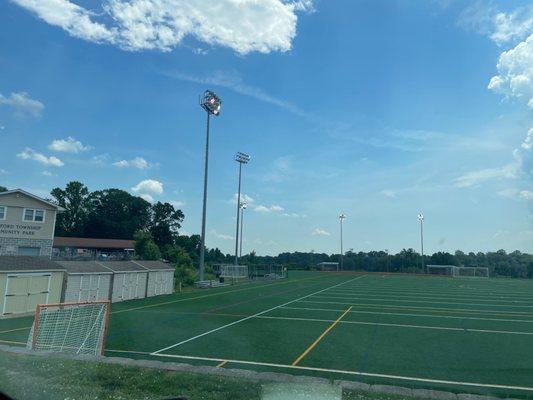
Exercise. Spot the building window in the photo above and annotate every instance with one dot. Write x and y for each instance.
(3, 212)
(33, 215)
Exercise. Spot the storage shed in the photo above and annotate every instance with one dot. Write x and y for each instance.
(129, 279)
(86, 281)
(26, 281)
(160, 277)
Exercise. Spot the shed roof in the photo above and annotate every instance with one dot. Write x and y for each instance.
(154, 265)
(121, 266)
(28, 263)
(93, 243)
(74, 267)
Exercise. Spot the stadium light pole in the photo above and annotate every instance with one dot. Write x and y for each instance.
(421, 219)
(243, 207)
(241, 158)
(342, 217)
(211, 103)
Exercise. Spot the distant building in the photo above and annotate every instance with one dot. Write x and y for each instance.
(27, 224)
(75, 248)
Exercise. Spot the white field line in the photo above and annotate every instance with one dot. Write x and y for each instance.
(488, 292)
(410, 315)
(395, 296)
(441, 328)
(251, 316)
(421, 308)
(371, 289)
(419, 301)
(344, 372)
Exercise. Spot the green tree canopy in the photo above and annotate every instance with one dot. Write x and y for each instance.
(145, 248)
(75, 200)
(165, 222)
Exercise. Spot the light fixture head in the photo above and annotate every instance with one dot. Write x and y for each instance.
(211, 103)
(420, 216)
(244, 205)
(242, 157)
(342, 216)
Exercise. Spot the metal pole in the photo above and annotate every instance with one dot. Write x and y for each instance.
(422, 243)
(238, 213)
(342, 253)
(242, 222)
(202, 242)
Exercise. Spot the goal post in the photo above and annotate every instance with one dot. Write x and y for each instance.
(78, 327)
(458, 272)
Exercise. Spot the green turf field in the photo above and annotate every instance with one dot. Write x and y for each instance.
(471, 335)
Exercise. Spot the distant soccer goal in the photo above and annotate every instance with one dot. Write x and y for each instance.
(458, 272)
(268, 271)
(233, 271)
(78, 328)
(328, 266)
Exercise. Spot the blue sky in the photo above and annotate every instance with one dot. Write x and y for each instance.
(378, 109)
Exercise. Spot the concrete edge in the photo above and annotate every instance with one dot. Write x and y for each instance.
(254, 375)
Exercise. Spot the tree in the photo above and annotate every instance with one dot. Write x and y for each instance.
(75, 200)
(3, 189)
(145, 248)
(165, 222)
(116, 214)
(179, 256)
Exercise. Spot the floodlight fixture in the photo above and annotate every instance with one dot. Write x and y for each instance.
(244, 205)
(342, 217)
(420, 216)
(211, 103)
(242, 158)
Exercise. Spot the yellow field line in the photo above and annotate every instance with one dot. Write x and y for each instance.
(222, 364)
(16, 329)
(212, 294)
(313, 345)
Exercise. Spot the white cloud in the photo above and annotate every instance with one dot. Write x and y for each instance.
(267, 209)
(220, 235)
(177, 203)
(515, 72)
(137, 162)
(68, 145)
(389, 193)
(294, 215)
(244, 25)
(234, 81)
(147, 197)
(244, 197)
(528, 141)
(509, 171)
(30, 154)
(526, 194)
(320, 232)
(100, 159)
(148, 186)
(22, 104)
(47, 173)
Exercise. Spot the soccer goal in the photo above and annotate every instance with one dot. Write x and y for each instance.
(471, 272)
(234, 271)
(78, 328)
(268, 271)
(328, 266)
(446, 270)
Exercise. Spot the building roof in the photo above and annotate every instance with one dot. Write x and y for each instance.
(154, 265)
(74, 267)
(58, 208)
(28, 263)
(91, 243)
(121, 266)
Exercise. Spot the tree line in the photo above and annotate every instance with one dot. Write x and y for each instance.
(116, 214)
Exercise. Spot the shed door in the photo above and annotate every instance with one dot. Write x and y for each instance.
(25, 291)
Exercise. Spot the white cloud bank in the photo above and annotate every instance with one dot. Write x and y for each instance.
(320, 232)
(68, 145)
(22, 104)
(30, 154)
(137, 162)
(242, 25)
(267, 209)
(148, 186)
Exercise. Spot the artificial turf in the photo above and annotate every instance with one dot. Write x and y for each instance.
(430, 329)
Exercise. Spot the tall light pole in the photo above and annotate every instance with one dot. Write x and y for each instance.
(421, 219)
(243, 207)
(211, 103)
(241, 158)
(342, 217)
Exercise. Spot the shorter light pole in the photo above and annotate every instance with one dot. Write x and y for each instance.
(243, 207)
(421, 219)
(342, 217)
(241, 158)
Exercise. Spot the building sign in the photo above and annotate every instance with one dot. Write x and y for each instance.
(19, 230)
